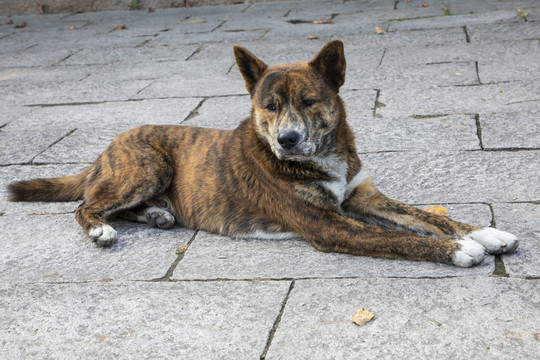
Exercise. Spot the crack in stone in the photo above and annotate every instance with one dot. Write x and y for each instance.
(479, 130)
(195, 112)
(51, 145)
(477, 73)
(383, 54)
(223, 22)
(70, 55)
(170, 271)
(276, 322)
(266, 31)
(198, 50)
(377, 104)
(467, 38)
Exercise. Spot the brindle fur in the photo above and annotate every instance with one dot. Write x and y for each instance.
(243, 183)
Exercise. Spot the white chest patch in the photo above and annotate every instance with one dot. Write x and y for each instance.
(338, 168)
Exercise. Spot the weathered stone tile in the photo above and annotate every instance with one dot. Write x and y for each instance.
(434, 100)
(523, 220)
(188, 320)
(54, 248)
(471, 176)
(511, 129)
(421, 318)
(109, 117)
(221, 112)
(22, 146)
(450, 133)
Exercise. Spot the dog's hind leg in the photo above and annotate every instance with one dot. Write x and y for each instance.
(124, 177)
(156, 212)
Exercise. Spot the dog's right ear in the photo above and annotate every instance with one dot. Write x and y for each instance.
(250, 67)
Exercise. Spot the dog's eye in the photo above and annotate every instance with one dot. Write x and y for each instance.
(308, 102)
(271, 107)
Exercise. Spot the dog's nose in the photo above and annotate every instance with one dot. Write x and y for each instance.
(289, 139)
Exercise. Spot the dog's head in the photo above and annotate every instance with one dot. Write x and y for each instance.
(296, 107)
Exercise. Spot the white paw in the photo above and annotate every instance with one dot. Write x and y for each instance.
(103, 235)
(495, 241)
(469, 253)
(158, 217)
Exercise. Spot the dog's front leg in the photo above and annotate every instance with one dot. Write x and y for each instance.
(366, 203)
(330, 231)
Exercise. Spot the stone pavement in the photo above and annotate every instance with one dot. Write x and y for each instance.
(446, 109)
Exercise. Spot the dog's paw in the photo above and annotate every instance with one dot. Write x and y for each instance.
(468, 254)
(103, 235)
(158, 217)
(495, 241)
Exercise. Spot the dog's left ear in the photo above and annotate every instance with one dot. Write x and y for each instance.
(250, 67)
(330, 63)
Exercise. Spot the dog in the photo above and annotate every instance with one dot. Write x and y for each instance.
(289, 170)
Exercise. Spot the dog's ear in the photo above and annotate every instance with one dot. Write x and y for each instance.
(250, 67)
(330, 63)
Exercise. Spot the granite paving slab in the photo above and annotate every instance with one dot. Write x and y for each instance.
(422, 318)
(522, 219)
(468, 176)
(111, 116)
(432, 100)
(54, 248)
(30, 144)
(143, 320)
(511, 130)
(405, 133)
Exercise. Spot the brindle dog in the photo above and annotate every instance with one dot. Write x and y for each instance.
(291, 169)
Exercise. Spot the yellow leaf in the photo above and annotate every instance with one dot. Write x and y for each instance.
(438, 210)
(379, 31)
(362, 317)
(320, 21)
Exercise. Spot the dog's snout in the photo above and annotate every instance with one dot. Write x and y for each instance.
(289, 139)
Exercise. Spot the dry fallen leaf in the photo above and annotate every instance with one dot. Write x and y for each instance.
(21, 25)
(72, 27)
(120, 27)
(320, 21)
(438, 210)
(379, 31)
(10, 22)
(425, 4)
(195, 21)
(313, 37)
(362, 317)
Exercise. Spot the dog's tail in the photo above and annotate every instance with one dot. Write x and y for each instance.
(67, 188)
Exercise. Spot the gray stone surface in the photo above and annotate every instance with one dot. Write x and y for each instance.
(512, 130)
(445, 111)
(30, 144)
(221, 112)
(400, 133)
(523, 220)
(53, 248)
(442, 176)
(218, 257)
(481, 318)
(127, 320)
(468, 99)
